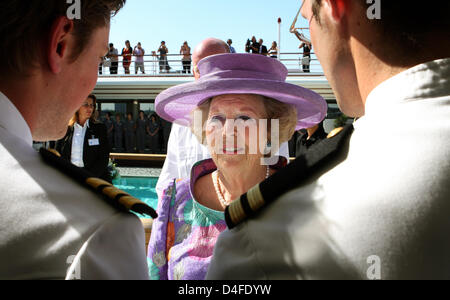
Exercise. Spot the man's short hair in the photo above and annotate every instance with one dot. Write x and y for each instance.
(405, 23)
(25, 24)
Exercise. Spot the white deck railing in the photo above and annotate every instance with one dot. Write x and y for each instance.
(293, 62)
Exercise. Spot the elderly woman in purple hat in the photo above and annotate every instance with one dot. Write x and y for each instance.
(225, 109)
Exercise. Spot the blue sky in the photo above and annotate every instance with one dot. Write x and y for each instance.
(150, 22)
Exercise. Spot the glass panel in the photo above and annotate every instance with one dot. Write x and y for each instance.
(148, 108)
(112, 108)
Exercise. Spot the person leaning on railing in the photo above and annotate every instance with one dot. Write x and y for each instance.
(163, 63)
(229, 43)
(113, 56)
(306, 60)
(139, 52)
(127, 54)
(273, 51)
(187, 59)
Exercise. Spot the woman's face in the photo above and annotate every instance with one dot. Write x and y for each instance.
(86, 110)
(232, 130)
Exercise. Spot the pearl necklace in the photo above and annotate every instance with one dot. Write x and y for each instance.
(215, 178)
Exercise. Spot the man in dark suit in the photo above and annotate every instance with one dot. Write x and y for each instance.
(255, 46)
(262, 48)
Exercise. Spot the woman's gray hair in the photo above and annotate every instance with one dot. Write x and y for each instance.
(286, 114)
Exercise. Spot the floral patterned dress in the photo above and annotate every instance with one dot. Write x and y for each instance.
(185, 233)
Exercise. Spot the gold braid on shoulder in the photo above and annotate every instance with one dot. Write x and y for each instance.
(115, 197)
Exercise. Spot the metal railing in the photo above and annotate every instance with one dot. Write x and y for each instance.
(294, 63)
(153, 66)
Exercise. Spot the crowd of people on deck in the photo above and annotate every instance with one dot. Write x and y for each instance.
(253, 45)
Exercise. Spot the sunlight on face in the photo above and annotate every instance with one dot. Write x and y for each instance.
(305, 12)
(78, 78)
(232, 128)
(86, 110)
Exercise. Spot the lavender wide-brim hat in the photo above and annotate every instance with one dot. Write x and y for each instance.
(254, 74)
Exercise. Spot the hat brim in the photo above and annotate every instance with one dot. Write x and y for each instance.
(176, 104)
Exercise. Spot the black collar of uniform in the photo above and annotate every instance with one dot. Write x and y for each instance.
(296, 173)
(319, 134)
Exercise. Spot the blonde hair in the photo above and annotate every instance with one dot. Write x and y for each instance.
(285, 113)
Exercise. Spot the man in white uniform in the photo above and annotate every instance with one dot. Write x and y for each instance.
(374, 204)
(51, 226)
(183, 149)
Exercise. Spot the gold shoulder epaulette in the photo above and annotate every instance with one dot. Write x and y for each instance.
(244, 207)
(293, 175)
(335, 132)
(117, 198)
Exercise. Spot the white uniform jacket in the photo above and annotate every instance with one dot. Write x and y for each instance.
(53, 228)
(383, 212)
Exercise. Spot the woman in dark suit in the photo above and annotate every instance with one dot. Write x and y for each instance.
(86, 142)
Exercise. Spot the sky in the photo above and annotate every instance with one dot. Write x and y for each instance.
(176, 21)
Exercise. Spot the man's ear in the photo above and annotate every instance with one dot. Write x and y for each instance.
(336, 9)
(58, 44)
